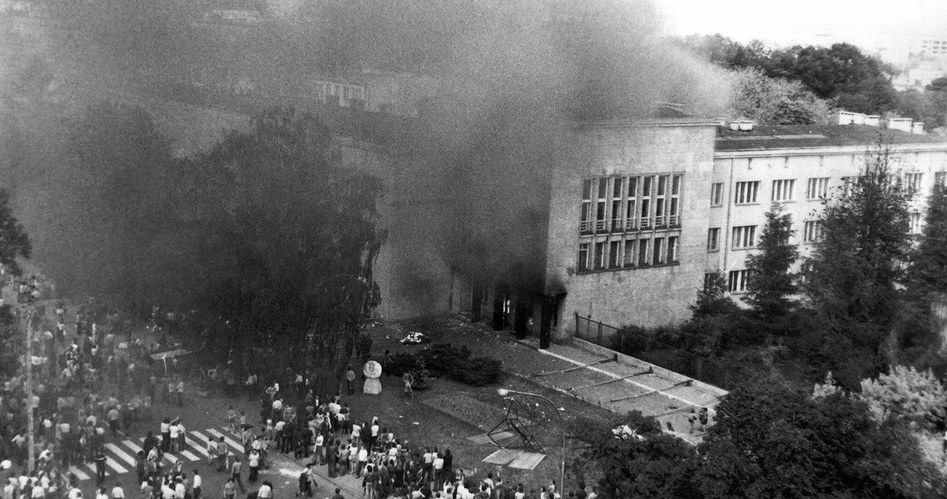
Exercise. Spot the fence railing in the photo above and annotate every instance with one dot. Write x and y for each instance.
(644, 346)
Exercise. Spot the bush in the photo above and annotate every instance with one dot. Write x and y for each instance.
(478, 371)
(400, 363)
(448, 361)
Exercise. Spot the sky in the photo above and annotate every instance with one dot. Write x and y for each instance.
(872, 23)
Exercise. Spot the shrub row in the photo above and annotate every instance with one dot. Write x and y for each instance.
(449, 361)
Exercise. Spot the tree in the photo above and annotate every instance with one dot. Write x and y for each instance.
(713, 299)
(855, 82)
(855, 269)
(774, 101)
(633, 458)
(772, 286)
(905, 393)
(771, 440)
(285, 237)
(14, 241)
(926, 282)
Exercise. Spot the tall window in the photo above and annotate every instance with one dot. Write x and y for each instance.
(642, 252)
(713, 239)
(585, 223)
(744, 237)
(618, 187)
(658, 251)
(913, 182)
(584, 256)
(738, 280)
(646, 185)
(818, 188)
(631, 210)
(940, 178)
(716, 194)
(673, 243)
(812, 231)
(674, 213)
(602, 205)
(782, 189)
(915, 222)
(745, 192)
(600, 255)
(614, 254)
(660, 201)
(629, 252)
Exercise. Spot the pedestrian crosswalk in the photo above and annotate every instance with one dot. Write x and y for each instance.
(120, 456)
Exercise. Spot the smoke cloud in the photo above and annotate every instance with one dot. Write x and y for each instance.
(514, 77)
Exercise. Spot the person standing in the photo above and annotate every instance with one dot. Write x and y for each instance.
(100, 460)
(117, 491)
(235, 469)
(180, 391)
(221, 454)
(253, 461)
(197, 484)
(230, 490)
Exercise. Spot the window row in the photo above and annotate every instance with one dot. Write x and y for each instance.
(630, 203)
(617, 252)
(816, 188)
(744, 237)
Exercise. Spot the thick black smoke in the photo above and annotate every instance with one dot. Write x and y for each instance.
(515, 76)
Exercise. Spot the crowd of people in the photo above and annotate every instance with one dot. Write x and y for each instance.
(83, 361)
(90, 384)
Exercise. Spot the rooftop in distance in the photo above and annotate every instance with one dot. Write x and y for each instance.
(800, 136)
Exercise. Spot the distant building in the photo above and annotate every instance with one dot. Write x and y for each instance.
(395, 93)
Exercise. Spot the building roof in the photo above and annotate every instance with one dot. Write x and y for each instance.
(811, 136)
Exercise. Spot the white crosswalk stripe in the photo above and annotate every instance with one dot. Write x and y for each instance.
(120, 453)
(78, 472)
(115, 466)
(231, 442)
(121, 456)
(199, 447)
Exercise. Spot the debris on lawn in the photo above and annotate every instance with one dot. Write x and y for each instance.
(415, 338)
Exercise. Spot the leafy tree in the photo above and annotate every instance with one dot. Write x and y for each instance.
(286, 238)
(774, 101)
(842, 72)
(633, 458)
(856, 268)
(772, 285)
(904, 393)
(771, 440)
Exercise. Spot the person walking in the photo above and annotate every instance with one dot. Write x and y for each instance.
(221, 454)
(235, 469)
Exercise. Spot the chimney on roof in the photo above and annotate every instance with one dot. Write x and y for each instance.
(873, 120)
(902, 124)
(918, 127)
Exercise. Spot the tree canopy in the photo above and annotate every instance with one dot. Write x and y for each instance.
(772, 284)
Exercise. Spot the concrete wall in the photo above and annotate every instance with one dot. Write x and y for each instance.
(643, 296)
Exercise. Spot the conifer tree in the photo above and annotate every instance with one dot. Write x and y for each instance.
(857, 265)
(772, 285)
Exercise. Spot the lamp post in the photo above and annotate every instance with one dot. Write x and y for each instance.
(505, 392)
(30, 430)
